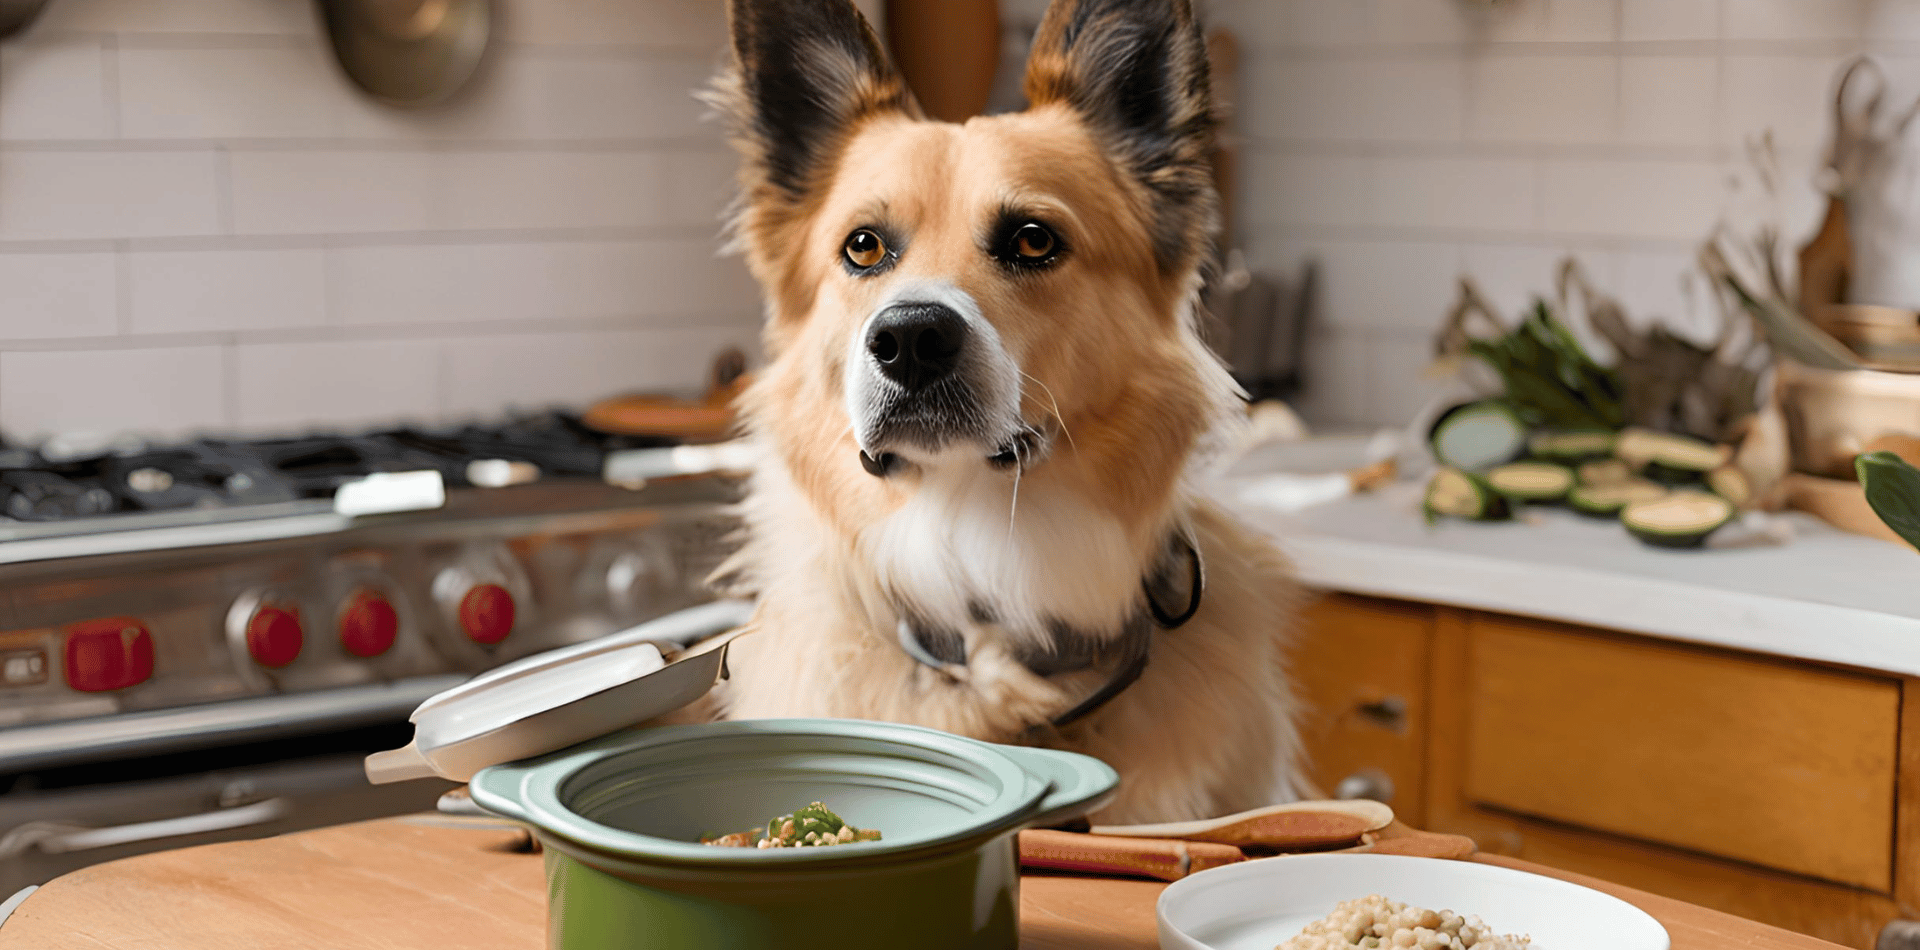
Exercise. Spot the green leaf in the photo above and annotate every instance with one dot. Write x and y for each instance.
(1893, 489)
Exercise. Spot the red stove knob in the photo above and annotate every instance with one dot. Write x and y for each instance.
(108, 654)
(274, 637)
(486, 613)
(369, 625)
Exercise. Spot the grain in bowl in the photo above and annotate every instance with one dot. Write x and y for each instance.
(1376, 923)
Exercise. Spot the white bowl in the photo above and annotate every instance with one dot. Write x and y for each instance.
(1257, 904)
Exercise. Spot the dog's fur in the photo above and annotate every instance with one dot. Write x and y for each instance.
(1087, 374)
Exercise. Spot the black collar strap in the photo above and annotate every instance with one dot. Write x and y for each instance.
(942, 648)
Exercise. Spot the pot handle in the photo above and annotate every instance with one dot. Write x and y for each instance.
(497, 790)
(1078, 784)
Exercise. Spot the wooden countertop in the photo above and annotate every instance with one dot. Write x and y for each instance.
(429, 882)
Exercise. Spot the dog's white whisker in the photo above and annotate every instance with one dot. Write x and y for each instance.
(1057, 417)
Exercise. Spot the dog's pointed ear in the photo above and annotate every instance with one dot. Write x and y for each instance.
(804, 73)
(1136, 72)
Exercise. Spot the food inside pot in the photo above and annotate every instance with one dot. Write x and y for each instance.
(1375, 921)
(814, 826)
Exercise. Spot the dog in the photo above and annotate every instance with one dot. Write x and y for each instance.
(986, 405)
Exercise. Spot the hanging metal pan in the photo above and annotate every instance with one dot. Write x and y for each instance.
(17, 15)
(408, 52)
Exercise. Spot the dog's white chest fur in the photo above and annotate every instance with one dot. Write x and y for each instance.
(966, 540)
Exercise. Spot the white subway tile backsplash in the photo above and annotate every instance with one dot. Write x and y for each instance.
(1374, 99)
(1471, 194)
(278, 92)
(319, 192)
(1582, 21)
(57, 295)
(1385, 284)
(532, 95)
(1400, 368)
(1550, 99)
(1668, 287)
(1633, 199)
(53, 89)
(60, 195)
(1513, 277)
(163, 391)
(1337, 379)
(697, 187)
(271, 17)
(684, 24)
(1293, 189)
(1793, 19)
(295, 387)
(1420, 22)
(485, 373)
(549, 190)
(653, 281)
(1791, 96)
(1668, 100)
(187, 291)
(1324, 22)
(1893, 20)
(1663, 20)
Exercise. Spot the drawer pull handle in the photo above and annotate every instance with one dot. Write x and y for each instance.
(1387, 713)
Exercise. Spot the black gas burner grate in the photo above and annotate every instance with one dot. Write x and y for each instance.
(216, 473)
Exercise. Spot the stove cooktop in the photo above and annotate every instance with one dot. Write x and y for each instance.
(55, 490)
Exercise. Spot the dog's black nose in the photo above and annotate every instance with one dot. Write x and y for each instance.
(917, 343)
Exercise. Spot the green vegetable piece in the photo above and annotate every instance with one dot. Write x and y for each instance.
(1893, 489)
(1682, 519)
(1456, 494)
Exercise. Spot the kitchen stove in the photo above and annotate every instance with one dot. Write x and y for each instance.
(190, 631)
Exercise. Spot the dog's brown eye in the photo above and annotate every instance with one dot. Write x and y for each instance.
(1033, 242)
(865, 249)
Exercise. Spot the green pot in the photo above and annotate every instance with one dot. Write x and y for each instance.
(621, 820)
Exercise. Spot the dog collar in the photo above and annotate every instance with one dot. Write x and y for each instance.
(1073, 651)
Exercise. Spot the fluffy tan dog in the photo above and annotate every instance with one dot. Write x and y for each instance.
(986, 405)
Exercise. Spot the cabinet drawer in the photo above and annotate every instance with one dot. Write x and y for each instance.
(1781, 766)
(1361, 669)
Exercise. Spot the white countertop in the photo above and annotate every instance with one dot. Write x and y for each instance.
(1823, 595)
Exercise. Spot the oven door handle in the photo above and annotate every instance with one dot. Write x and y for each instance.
(56, 838)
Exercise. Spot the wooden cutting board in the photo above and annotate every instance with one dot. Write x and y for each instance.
(431, 882)
(1842, 504)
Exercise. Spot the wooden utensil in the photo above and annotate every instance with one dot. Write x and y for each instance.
(708, 419)
(1170, 859)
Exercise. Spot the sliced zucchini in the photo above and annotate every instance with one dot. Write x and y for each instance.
(1605, 472)
(1476, 436)
(1732, 484)
(1453, 493)
(1672, 475)
(1571, 447)
(1606, 500)
(1682, 519)
(1643, 447)
(1535, 482)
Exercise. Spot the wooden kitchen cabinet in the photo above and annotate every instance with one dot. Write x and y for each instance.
(1781, 791)
(1361, 666)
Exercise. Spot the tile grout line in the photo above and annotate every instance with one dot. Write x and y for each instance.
(110, 82)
